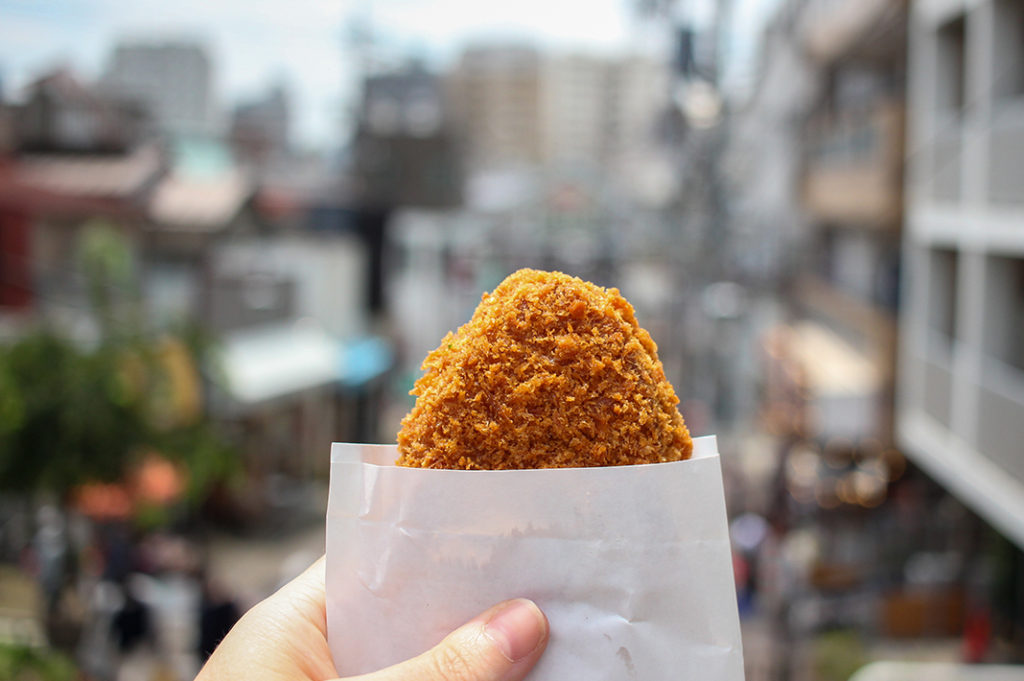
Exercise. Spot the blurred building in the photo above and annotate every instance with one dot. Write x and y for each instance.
(295, 360)
(404, 154)
(496, 100)
(576, 107)
(259, 128)
(404, 149)
(961, 408)
(763, 160)
(518, 106)
(295, 366)
(852, 194)
(203, 250)
(61, 114)
(845, 288)
(829, 372)
(637, 93)
(933, 207)
(6, 128)
(172, 81)
(202, 201)
(45, 201)
(80, 157)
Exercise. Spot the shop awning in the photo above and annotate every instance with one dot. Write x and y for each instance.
(272, 362)
(842, 385)
(831, 365)
(267, 363)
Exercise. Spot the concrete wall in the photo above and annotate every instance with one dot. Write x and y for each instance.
(326, 276)
(961, 392)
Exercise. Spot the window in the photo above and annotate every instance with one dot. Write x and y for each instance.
(1004, 316)
(942, 287)
(1008, 49)
(854, 260)
(950, 67)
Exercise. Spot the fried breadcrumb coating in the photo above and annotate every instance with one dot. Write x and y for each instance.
(550, 372)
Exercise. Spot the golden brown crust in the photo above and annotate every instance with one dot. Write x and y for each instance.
(550, 372)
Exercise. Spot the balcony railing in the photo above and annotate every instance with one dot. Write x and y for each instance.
(966, 428)
(854, 166)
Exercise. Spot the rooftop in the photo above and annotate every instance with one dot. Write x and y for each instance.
(93, 175)
(184, 203)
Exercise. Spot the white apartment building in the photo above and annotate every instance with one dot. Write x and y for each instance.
(960, 411)
(495, 98)
(574, 108)
(516, 106)
(172, 81)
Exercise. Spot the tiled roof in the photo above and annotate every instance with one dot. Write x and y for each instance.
(184, 203)
(94, 176)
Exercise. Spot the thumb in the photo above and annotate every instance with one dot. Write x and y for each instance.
(501, 644)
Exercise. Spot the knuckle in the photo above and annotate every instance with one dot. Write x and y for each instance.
(453, 664)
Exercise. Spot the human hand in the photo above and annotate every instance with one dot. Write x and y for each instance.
(284, 638)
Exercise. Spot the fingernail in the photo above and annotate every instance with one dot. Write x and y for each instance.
(518, 627)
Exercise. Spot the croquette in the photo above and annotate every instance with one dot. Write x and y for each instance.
(550, 372)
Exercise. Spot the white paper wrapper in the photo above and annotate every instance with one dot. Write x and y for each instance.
(631, 564)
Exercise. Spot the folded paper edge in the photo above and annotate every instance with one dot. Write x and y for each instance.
(385, 455)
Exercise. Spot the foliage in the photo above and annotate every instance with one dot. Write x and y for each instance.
(23, 663)
(106, 262)
(74, 418)
(71, 413)
(838, 654)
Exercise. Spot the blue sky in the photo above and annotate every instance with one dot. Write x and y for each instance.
(254, 43)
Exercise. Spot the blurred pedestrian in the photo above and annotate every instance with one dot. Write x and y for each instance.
(218, 612)
(51, 550)
(132, 623)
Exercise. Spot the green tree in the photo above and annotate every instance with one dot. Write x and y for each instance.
(71, 413)
(24, 663)
(70, 417)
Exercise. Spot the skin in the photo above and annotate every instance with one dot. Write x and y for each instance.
(284, 638)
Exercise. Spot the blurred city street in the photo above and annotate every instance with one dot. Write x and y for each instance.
(230, 236)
